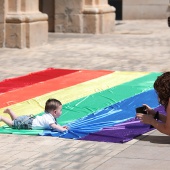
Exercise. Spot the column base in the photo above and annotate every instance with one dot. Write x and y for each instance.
(79, 16)
(68, 16)
(26, 30)
(99, 20)
(71, 24)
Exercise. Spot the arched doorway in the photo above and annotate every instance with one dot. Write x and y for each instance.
(48, 7)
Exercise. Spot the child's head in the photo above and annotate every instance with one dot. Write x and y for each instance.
(162, 87)
(54, 107)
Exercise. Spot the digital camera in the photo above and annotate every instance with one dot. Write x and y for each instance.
(141, 109)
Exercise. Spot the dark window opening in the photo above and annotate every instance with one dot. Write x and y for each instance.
(48, 7)
(118, 5)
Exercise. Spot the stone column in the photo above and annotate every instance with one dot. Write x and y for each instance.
(98, 17)
(2, 22)
(26, 26)
(68, 16)
(84, 16)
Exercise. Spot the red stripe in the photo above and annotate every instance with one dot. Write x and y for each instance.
(38, 89)
(32, 78)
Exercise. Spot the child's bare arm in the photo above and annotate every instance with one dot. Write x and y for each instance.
(58, 127)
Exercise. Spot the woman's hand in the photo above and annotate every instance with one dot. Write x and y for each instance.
(149, 110)
(145, 118)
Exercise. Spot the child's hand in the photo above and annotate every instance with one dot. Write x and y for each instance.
(58, 127)
(66, 127)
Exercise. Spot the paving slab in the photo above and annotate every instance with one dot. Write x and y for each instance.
(137, 45)
(133, 163)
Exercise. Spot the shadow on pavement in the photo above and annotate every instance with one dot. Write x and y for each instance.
(156, 139)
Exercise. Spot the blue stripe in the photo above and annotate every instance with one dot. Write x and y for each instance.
(107, 117)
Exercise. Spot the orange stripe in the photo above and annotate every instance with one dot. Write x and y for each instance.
(41, 88)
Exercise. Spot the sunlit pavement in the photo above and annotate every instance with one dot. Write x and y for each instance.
(134, 46)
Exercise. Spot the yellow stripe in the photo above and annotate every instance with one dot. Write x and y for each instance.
(66, 95)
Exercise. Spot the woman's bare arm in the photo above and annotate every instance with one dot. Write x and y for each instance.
(163, 127)
(162, 118)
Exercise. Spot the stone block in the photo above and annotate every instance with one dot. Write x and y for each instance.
(145, 2)
(68, 7)
(69, 24)
(25, 25)
(2, 22)
(1, 18)
(75, 24)
(21, 35)
(29, 5)
(60, 22)
(145, 12)
(68, 16)
(98, 18)
(15, 35)
(91, 23)
(36, 33)
(1, 35)
(23, 5)
(26, 30)
(2, 11)
(99, 23)
(88, 2)
(95, 2)
(101, 2)
(84, 16)
(14, 6)
(107, 23)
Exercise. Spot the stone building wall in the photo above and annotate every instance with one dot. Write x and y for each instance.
(2, 22)
(23, 25)
(84, 16)
(145, 9)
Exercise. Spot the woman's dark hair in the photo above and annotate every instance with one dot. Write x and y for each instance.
(52, 104)
(162, 87)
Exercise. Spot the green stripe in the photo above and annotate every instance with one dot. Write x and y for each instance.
(6, 130)
(89, 104)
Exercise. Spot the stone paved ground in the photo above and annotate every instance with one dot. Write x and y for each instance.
(134, 46)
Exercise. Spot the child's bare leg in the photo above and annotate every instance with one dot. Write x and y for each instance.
(7, 121)
(11, 113)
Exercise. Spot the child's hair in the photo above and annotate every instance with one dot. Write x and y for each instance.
(52, 104)
(162, 87)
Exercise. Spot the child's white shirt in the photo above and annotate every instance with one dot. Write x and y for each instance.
(43, 122)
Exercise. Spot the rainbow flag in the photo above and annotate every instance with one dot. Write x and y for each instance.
(98, 105)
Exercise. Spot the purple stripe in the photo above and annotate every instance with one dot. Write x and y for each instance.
(123, 132)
